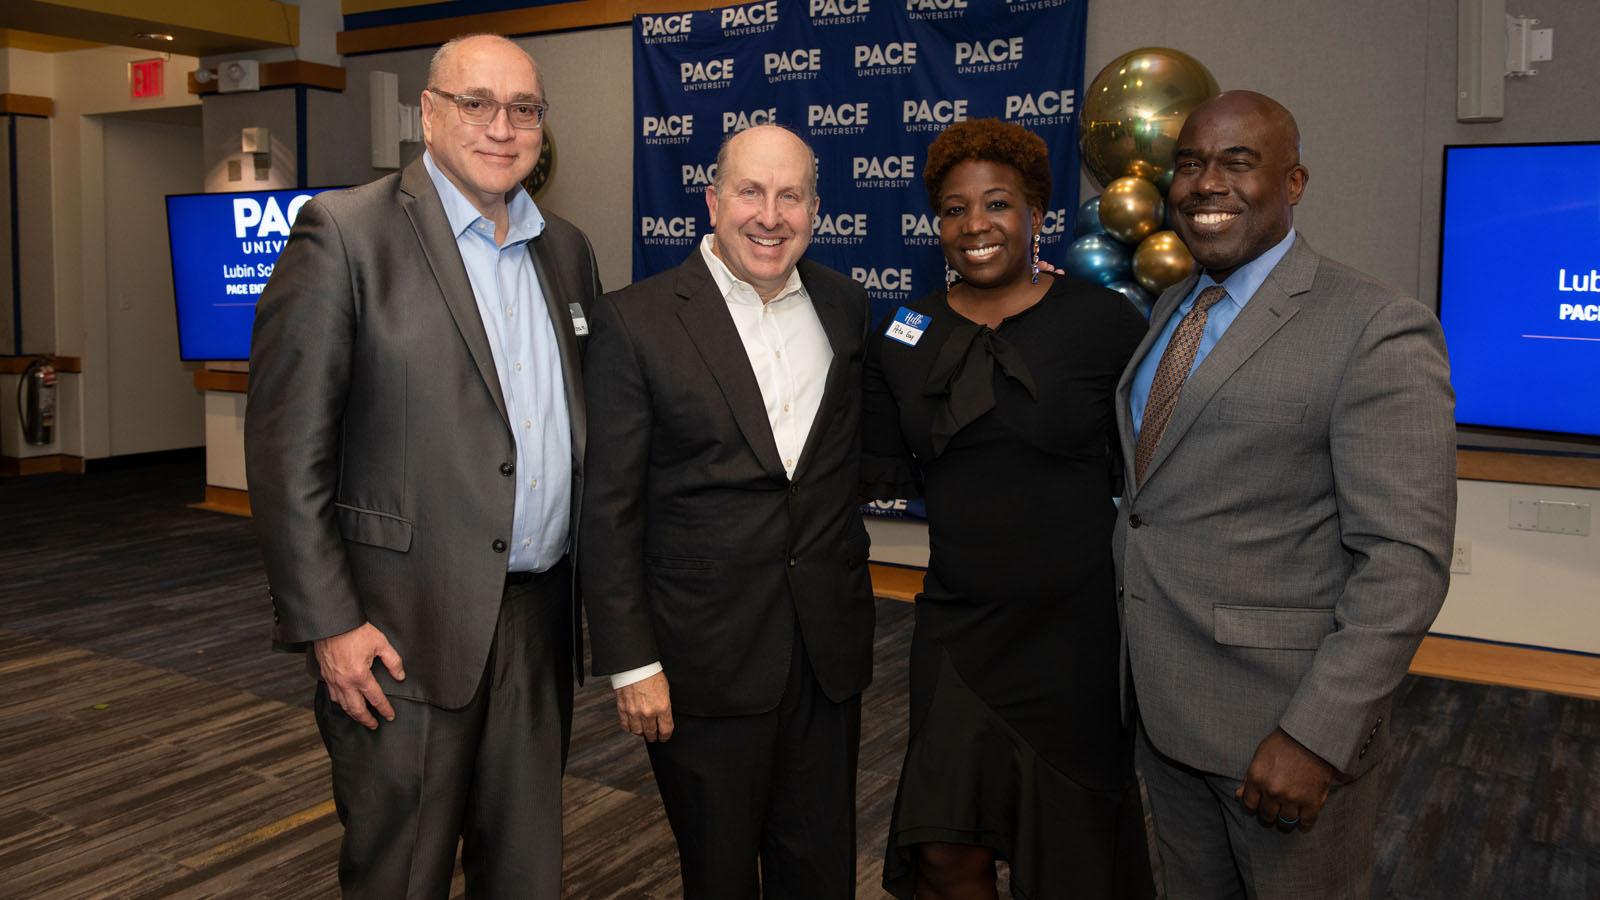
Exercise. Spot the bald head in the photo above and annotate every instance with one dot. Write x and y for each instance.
(775, 136)
(451, 56)
(1272, 119)
(1236, 179)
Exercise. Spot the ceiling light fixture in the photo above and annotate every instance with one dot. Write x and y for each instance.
(153, 36)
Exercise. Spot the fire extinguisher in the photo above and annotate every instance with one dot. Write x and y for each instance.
(36, 401)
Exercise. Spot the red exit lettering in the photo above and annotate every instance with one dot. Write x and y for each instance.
(146, 78)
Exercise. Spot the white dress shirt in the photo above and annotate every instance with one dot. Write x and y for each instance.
(789, 354)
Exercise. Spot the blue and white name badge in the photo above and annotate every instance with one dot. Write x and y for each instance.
(580, 325)
(908, 326)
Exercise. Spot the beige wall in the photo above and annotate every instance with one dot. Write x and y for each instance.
(89, 84)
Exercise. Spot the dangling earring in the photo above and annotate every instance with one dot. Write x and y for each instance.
(950, 276)
(1036, 257)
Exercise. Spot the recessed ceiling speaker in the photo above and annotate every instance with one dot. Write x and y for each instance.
(1480, 60)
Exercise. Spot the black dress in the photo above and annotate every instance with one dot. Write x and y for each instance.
(1017, 741)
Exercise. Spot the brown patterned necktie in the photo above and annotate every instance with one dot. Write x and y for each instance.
(1171, 373)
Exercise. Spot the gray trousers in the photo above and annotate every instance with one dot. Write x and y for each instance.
(1212, 848)
(487, 776)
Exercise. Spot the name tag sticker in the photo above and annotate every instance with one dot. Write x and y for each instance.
(907, 327)
(580, 325)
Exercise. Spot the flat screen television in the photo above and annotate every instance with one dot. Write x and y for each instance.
(1519, 285)
(223, 249)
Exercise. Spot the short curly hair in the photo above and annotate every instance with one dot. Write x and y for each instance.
(995, 141)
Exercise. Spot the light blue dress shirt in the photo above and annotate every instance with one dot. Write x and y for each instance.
(1241, 286)
(527, 359)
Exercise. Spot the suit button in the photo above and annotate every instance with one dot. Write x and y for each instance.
(1133, 521)
(507, 469)
(792, 561)
(794, 489)
(499, 546)
(1119, 590)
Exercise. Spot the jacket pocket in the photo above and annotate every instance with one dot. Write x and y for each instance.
(1272, 412)
(681, 563)
(377, 529)
(1272, 627)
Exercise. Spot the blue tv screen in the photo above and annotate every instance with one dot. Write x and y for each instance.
(1519, 290)
(223, 249)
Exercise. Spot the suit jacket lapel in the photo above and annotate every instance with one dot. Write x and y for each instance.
(839, 324)
(559, 304)
(1165, 306)
(444, 257)
(710, 326)
(1273, 305)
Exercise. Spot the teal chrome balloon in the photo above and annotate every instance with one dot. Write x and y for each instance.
(1138, 296)
(1099, 258)
(1088, 221)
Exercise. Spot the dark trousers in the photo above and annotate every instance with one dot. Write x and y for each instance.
(778, 788)
(1212, 848)
(487, 775)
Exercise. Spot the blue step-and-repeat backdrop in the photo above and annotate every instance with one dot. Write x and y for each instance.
(869, 84)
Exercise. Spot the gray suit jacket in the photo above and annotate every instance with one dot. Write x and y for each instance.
(378, 452)
(1290, 544)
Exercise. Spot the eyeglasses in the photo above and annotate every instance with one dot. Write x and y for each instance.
(523, 114)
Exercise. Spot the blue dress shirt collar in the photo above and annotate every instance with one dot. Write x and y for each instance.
(526, 222)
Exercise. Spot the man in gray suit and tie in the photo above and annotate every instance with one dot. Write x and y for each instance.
(1285, 539)
(414, 446)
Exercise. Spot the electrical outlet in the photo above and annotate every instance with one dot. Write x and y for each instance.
(1461, 559)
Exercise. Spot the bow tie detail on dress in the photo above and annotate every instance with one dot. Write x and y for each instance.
(963, 373)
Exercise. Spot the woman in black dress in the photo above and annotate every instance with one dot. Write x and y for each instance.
(993, 400)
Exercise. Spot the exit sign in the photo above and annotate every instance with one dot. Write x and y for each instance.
(146, 78)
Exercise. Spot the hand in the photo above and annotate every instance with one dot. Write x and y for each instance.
(1049, 268)
(1285, 780)
(645, 708)
(346, 664)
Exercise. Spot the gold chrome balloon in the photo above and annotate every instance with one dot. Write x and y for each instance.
(1133, 111)
(1131, 209)
(1161, 261)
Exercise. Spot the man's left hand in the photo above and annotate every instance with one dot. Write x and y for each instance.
(1286, 784)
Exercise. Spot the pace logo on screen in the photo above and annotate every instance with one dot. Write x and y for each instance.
(224, 249)
(1579, 283)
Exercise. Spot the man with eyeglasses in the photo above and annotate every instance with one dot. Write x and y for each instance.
(414, 447)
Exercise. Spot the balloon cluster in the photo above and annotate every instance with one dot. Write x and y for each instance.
(1127, 132)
